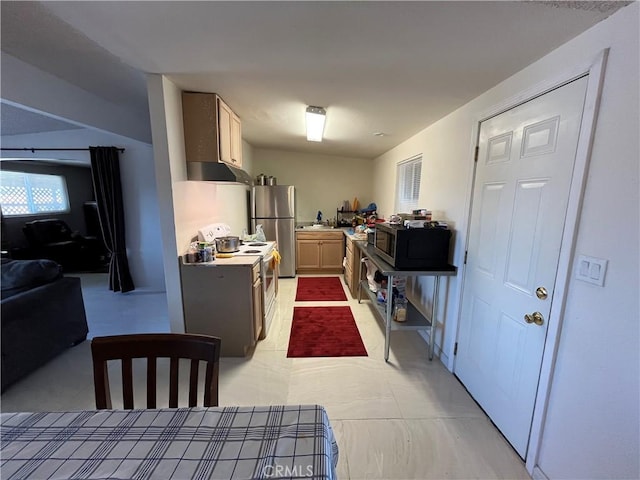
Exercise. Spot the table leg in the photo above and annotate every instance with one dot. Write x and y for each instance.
(388, 319)
(434, 320)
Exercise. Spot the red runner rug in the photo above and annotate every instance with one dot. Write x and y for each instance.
(324, 332)
(319, 289)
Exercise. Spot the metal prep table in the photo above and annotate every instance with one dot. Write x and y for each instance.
(415, 319)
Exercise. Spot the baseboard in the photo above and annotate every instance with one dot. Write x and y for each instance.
(538, 474)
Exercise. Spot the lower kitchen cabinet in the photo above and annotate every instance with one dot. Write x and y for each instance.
(352, 266)
(319, 252)
(224, 301)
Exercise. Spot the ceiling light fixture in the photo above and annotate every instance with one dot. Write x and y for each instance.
(315, 123)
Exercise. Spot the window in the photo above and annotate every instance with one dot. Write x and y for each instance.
(24, 193)
(408, 186)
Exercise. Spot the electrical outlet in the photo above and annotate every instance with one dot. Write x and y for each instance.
(591, 269)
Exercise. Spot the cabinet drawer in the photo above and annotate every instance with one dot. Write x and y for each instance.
(348, 275)
(319, 235)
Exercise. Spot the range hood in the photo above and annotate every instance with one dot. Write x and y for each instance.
(217, 172)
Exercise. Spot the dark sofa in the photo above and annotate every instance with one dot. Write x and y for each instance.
(52, 239)
(42, 314)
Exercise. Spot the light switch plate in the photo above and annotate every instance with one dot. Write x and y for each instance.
(591, 269)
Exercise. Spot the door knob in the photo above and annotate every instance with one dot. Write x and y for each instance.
(535, 317)
(541, 293)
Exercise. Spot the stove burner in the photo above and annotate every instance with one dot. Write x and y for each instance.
(257, 244)
(251, 251)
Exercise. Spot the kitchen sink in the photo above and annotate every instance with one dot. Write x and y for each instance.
(317, 227)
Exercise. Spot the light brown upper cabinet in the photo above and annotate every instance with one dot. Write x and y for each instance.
(212, 131)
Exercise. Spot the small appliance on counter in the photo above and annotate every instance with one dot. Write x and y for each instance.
(413, 248)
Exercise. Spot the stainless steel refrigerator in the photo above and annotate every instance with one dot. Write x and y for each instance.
(274, 207)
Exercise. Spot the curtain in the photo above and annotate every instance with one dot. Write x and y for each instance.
(105, 173)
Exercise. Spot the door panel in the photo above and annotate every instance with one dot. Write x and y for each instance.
(489, 209)
(526, 158)
(525, 235)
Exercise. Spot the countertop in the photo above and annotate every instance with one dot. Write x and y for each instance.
(240, 260)
(309, 228)
(347, 231)
(357, 237)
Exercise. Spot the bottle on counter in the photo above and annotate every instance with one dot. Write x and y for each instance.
(400, 309)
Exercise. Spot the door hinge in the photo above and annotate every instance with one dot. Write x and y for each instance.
(465, 256)
(455, 349)
(475, 158)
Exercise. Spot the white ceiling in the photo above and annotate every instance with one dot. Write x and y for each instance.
(392, 67)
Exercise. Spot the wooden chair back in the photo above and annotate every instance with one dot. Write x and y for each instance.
(152, 346)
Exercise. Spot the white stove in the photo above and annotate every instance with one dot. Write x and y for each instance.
(269, 274)
(255, 248)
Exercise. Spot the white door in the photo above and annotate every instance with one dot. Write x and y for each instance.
(523, 175)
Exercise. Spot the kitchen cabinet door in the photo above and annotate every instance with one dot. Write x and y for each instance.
(331, 254)
(230, 135)
(224, 122)
(307, 254)
(236, 140)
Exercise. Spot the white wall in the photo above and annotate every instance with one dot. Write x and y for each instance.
(35, 89)
(138, 192)
(322, 182)
(592, 425)
(185, 205)
(247, 158)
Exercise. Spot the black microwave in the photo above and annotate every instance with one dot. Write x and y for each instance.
(413, 248)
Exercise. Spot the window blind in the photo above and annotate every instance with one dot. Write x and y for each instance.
(408, 184)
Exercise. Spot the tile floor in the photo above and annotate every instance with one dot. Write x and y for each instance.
(405, 419)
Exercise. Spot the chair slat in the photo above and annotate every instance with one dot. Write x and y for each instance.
(101, 385)
(151, 381)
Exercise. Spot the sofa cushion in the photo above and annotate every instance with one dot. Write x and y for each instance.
(21, 275)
